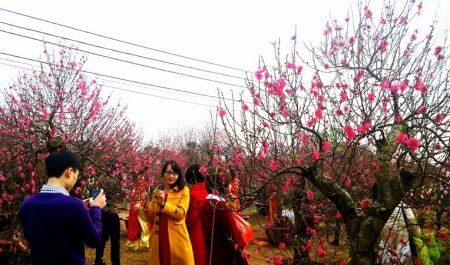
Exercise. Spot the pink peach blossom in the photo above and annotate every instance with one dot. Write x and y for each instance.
(375, 166)
(421, 109)
(310, 195)
(413, 144)
(325, 146)
(350, 133)
(316, 155)
(385, 84)
(439, 118)
(420, 86)
(402, 138)
(367, 13)
(273, 165)
(319, 113)
(258, 75)
(321, 252)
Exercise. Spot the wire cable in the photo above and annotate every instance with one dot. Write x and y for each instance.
(119, 51)
(126, 61)
(121, 41)
(105, 79)
(120, 78)
(128, 90)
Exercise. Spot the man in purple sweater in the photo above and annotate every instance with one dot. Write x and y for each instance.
(56, 225)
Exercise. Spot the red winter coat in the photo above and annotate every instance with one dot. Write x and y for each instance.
(223, 251)
(194, 225)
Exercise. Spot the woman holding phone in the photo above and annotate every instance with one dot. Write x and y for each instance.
(169, 238)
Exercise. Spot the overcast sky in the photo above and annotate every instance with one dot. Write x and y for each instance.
(232, 33)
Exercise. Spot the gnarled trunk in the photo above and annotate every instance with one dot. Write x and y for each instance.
(299, 228)
(363, 234)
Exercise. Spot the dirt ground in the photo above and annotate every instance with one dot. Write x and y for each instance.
(260, 255)
(129, 257)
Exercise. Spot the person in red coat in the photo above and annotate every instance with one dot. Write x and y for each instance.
(138, 236)
(219, 230)
(197, 190)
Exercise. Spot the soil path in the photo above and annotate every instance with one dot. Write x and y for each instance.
(129, 257)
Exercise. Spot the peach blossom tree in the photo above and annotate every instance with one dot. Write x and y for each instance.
(363, 120)
(59, 107)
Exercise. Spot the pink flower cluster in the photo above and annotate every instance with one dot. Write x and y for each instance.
(222, 113)
(365, 203)
(367, 13)
(262, 73)
(349, 132)
(438, 53)
(412, 143)
(310, 195)
(420, 86)
(383, 46)
(273, 165)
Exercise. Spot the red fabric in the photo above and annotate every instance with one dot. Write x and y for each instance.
(223, 251)
(198, 195)
(164, 245)
(133, 224)
(245, 231)
(133, 228)
(273, 209)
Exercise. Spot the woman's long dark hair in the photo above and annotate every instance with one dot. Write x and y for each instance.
(181, 181)
(193, 175)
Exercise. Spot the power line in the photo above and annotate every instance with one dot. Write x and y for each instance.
(126, 61)
(122, 41)
(105, 79)
(119, 78)
(157, 96)
(119, 51)
(90, 76)
(128, 90)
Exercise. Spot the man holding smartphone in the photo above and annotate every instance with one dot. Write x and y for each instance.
(110, 225)
(56, 225)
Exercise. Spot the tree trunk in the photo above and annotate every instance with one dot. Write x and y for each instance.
(299, 230)
(300, 257)
(364, 231)
(363, 234)
(362, 258)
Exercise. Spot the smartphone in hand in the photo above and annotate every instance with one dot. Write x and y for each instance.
(94, 193)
